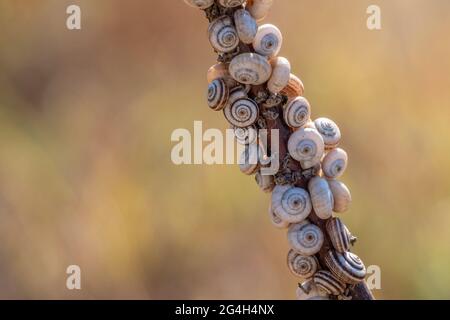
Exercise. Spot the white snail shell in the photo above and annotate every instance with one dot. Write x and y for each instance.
(305, 238)
(231, 3)
(223, 35)
(302, 266)
(218, 94)
(250, 68)
(248, 163)
(297, 112)
(220, 70)
(265, 182)
(236, 93)
(294, 88)
(339, 234)
(281, 71)
(246, 26)
(306, 145)
(335, 163)
(346, 266)
(201, 4)
(321, 197)
(290, 203)
(268, 40)
(259, 9)
(329, 131)
(247, 135)
(276, 221)
(341, 194)
(242, 112)
(309, 291)
(329, 283)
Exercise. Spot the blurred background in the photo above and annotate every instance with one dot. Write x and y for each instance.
(85, 170)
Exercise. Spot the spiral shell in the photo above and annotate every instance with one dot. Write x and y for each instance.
(231, 3)
(330, 132)
(265, 182)
(321, 197)
(306, 145)
(248, 162)
(268, 40)
(259, 9)
(291, 204)
(236, 93)
(339, 234)
(305, 238)
(302, 266)
(327, 282)
(218, 94)
(246, 26)
(201, 4)
(341, 194)
(309, 291)
(247, 135)
(242, 112)
(335, 163)
(297, 112)
(276, 221)
(220, 70)
(250, 68)
(346, 266)
(294, 88)
(223, 35)
(281, 71)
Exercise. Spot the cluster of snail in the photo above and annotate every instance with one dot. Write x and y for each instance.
(255, 89)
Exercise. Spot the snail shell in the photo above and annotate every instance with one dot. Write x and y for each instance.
(291, 204)
(327, 282)
(248, 163)
(231, 3)
(276, 221)
(246, 26)
(220, 70)
(306, 145)
(339, 234)
(330, 132)
(305, 238)
(335, 163)
(268, 40)
(250, 68)
(265, 182)
(236, 93)
(243, 112)
(302, 266)
(218, 94)
(294, 88)
(281, 71)
(223, 35)
(201, 4)
(321, 197)
(297, 112)
(246, 135)
(346, 266)
(341, 194)
(259, 9)
(309, 291)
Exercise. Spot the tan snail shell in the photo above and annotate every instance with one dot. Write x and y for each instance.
(294, 88)
(231, 3)
(248, 162)
(220, 70)
(309, 291)
(268, 40)
(321, 197)
(218, 94)
(302, 266)
(276, 221)
(335, 163)
(223, 35)
(305, 238)
(281, 70)
(265, 182)
(201, 4)
(341, 194)
(259, 9)
(242, 112)
(250, 68)
(327, 282)
(297, 112)
(247, 135)
(306, 146)
(290, 203)
(329, 131)
(246, 26)
(346, 266)
(339, 235)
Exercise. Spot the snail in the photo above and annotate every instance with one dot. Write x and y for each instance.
(220, 70)
(305, 238)
(281, 70)
(248, 162)
(223, 35)
(341, 194)
(268, 40)
(246, 26)
(276, 221)
(346, 266)
(302, 266)
(218, 94)
(330, 132)
(242, 112)
(259, 8)
(339, 235)
(335, 163)
(201, 4)
(247, 135)
(294, 88)
(308, 290)
(321, 197)
(265, 182)
(306, 146)
(231, 3)
(327, 282)
(297, 112)
(236, 93)
(291, 204)
(250, 68)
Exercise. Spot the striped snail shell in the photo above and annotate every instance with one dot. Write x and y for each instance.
(223, 35)
(265, 182)
(218, 94)
(242, 112)
(346, 266)
(259, 9)
(246, 26)
(341, 194)
(330, 284)
(294, 88)
(250, 68)
(291, 204)
(268, 40)
(297, 112)
(309, 291)
(248, 162)
(220, 70)
(339, 234)
(201, 4)
(281, 71)
(302, 266)
(231, 3)
(276, 221)
(247, 135)
(335, 163)
(305, 238)
(306, 145)
(236, 93)
(329, 131)
(321, 197)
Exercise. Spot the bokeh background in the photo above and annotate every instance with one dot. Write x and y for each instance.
(85, 170)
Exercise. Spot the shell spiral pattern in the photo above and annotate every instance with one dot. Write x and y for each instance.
(242, 112)
(291, 204)
(250, 68)
(335, 163)
(326, 281)
(297, 112)
(223, 35)
(329, 131)
(268, 40)
(305, 238)
(346, 266)
(302, 266)
(217, 94)
(338, 234)
(246, 135)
